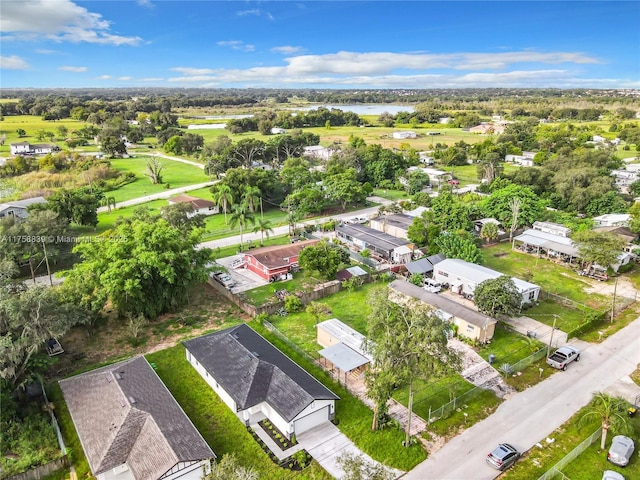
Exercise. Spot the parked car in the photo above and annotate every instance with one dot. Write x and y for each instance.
(503, 456)
(225, 279)
(621, 450)
(430, 285)
(611, 475)
(563, 357)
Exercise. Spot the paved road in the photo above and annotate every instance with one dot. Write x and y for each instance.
(530, 416)
(283, 230)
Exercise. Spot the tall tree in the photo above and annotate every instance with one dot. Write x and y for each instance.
(601, 248)
(241, 217)
(612, 413)
(264, 227)
(140, 267)
(497, 296)
(452, 245)
(321, 258)
(153, 170)
(251, 197)
(407, 342)
(222, 197)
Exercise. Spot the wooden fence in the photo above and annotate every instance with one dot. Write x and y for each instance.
(43, 470)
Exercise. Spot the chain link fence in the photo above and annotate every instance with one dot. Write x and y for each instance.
(555, 472)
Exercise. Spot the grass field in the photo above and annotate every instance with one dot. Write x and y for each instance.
(32, 124)
(174, 175)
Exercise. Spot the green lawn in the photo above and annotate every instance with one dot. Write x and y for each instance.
(588, 466)
(393, 195)
(32, 124)
(553, 278)
(222, 430)
(508, 346)
(174, 175)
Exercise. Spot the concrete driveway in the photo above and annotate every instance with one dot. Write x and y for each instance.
(244, 278)
(326, 444)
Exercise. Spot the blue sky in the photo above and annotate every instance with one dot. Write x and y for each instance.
(290, 44)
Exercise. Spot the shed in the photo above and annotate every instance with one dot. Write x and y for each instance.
(344, 345)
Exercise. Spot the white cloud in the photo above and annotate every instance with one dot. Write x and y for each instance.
(145, 3)
(287, 49)
(237, 45)
(61, 21)
(43, 51)
(13, 62)
(256, 12)
(151, 79)
(67, 68)
(125, 79)
(104, 77)
(192, 71)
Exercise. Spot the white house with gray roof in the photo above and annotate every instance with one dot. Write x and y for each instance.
(18, 208)
(463, 278)
(131, 427)
(258, 381)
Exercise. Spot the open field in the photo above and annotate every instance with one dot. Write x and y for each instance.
(174, 174)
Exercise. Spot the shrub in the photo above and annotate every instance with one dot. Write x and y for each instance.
(292, 304)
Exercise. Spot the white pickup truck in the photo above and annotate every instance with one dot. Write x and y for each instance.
(563, 357)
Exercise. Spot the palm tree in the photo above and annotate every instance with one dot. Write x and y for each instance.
(241, 217)
(251, 197)
(611, 411)
(264, 227)
(223, 197)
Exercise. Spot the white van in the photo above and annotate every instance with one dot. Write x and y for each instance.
(430, 285)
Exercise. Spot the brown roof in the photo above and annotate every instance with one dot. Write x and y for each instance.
(624, 233)
(196, 202)
(123, 413)
(277, 255)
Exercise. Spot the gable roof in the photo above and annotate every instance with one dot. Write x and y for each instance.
(120, 410)
(443, 304)
(195, 202)
(625, 233)
(478, 273)
(277, 255)
(251, 370)
(371, 236)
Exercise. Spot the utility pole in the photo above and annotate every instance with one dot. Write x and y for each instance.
(46, 259)
(553, 329)
(613, 303)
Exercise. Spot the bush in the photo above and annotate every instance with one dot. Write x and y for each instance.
(292, 304)
(625, 268)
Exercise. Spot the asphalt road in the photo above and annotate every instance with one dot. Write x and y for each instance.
(530, 416)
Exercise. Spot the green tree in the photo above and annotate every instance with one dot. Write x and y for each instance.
(610, 411)
(452, 245)
(321, 258)
(112, 145)
(406, 342)
(497, 296)
(140, 267)
(251, 197)
(29, 318)
(77, 206)
(241, 217)
(222, 197)
(174, 145)
(317, 310)
(264, 227)
(489, 231)
(499, 205)
(601, 248)
(21, 132)
(345, 188)
(180, 215)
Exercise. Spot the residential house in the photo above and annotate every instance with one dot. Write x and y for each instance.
(425, 265)
(436, 177)
(525, 160)
(487, 129)
(427, 159)
(278, 131)
(612, 220)
(599, 139)
(469, 322)
(200, 206)
(378, 243)
(404, 135)
(624, 178)
(26, 148)
(397, 224)
(478, 224)
(19, 208)
(271, 262)
(317, 151)
(344, 348)
(416, 212)
(463, 278)
(257, 381)
(552, 228)
(130, 426)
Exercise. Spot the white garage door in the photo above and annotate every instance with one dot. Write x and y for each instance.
(308, 422)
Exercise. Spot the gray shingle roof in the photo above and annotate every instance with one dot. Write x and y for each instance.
(251, 370)
(121, 410)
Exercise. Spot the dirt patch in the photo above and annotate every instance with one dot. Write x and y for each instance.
(624, 287)
(112, 340)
